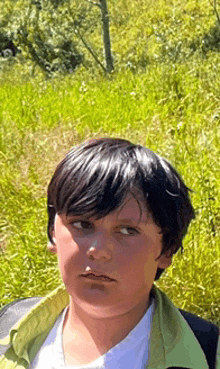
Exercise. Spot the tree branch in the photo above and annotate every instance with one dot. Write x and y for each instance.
(90, 49)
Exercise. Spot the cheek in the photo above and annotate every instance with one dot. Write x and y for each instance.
(69, 255)
(139, 265)
(63, 235)
(131, 247)
(139, 250)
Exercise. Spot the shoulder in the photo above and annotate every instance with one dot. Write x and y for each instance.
(11, 313)
(197, 323)
(183, 332)
(206, 333)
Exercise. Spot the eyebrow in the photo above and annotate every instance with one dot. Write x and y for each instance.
(126, 221)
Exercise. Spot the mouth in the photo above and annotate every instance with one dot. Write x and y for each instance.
(97, 277)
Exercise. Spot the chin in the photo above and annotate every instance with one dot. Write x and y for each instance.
(102, 307)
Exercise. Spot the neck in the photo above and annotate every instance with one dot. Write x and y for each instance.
(103, 333)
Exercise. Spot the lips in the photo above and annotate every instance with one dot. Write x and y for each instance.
(97, 277)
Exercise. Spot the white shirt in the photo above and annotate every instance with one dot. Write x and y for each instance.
(132, 352)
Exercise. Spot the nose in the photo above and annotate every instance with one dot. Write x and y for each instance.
(99, 250)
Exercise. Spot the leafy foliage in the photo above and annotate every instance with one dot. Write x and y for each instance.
(47, 31)
(59, 35)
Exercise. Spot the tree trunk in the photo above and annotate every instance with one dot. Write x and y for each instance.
(106, 36)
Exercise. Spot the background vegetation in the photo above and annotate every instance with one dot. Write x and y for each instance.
(164, 94)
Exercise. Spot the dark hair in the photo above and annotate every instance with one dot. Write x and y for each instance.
(95, 177)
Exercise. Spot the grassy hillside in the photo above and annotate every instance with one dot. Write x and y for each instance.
(164, 94)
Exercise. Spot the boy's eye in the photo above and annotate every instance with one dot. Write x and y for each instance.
(82, 224)
(128, 231)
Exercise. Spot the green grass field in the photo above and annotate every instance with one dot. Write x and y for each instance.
(171, 106)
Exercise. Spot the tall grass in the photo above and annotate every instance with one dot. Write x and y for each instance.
(171, 107)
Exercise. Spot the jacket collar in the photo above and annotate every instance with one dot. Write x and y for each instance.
(173, 344)
(172, 339)
(39, 319)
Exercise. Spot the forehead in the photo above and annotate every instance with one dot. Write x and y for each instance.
(133, 208)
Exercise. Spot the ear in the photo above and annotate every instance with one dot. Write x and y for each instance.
(165, 260)
(51, 246)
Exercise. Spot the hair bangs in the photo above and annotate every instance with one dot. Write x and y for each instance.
(98, 187)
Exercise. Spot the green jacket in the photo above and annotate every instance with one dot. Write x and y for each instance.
(173, 343)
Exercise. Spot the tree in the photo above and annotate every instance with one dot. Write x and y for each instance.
(106, 36)
(53, 34)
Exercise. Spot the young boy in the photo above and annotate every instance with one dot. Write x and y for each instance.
(117, 214)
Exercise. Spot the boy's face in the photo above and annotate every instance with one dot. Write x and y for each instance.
(109, 265)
